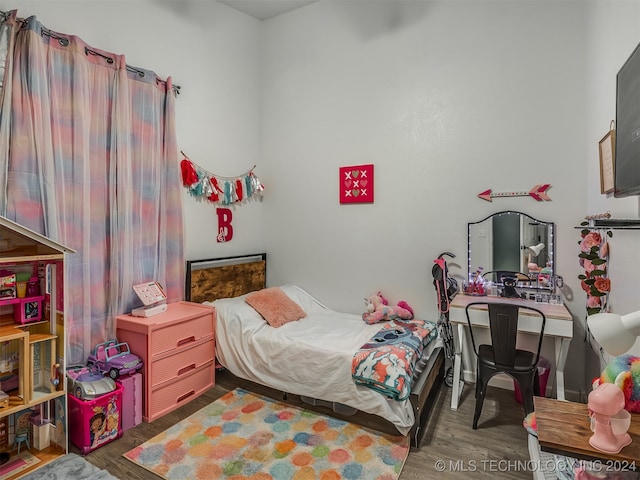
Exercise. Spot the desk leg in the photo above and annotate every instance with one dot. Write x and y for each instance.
(562, 350)
(458, 382)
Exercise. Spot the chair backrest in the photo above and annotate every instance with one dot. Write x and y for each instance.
(503, 325)
(100, 354)
(112, 349)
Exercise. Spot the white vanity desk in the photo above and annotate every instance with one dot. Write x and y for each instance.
(559, 325)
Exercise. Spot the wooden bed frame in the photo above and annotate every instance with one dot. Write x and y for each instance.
(225, 277)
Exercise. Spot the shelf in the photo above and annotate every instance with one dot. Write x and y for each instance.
(14, 301)
(41, 337)
(11, 332)
(15, 257)
(16, 404)
(614, 224)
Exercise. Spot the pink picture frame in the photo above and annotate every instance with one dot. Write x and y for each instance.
(356, 184)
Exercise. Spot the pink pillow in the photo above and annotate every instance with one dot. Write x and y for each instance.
(275, 306)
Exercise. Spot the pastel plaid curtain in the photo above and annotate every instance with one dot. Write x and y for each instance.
(88, 157)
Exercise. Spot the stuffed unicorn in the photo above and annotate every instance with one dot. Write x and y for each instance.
(379, 310)
(624, 371)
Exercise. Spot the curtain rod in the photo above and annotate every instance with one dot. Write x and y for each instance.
(65, 41)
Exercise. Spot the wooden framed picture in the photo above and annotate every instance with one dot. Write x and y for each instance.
(607, 161)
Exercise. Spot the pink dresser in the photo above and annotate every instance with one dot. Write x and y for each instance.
(178, 351)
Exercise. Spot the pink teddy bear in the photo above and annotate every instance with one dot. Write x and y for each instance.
(379, 310)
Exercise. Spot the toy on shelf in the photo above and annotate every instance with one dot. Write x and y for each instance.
(55, 374)
(476, 284)
(87, 384)
(41, 426)
(7, 284)
(21, 434)
(9, 382)
(114, 359)
(28, 310)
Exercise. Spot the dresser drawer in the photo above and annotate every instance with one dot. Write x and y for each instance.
(181, 334)
(172, 395)
(179, 364)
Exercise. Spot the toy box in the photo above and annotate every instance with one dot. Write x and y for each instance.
(96, 422)
(28, 310)
(131, 400)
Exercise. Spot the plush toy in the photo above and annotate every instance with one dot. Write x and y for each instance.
(379, 310)
(624, 371)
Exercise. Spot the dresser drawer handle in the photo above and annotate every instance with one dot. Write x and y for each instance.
(185, 396)
(186, 340)
(186, 369)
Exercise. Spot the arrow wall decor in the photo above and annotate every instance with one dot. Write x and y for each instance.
(537, 193)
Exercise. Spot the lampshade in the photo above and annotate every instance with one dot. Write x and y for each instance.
(616, 334)
(535, 249)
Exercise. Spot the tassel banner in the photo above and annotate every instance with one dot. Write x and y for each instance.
(218, 189)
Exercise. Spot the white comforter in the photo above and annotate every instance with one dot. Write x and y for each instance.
(309, 357)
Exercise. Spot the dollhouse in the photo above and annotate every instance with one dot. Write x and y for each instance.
(33, 404)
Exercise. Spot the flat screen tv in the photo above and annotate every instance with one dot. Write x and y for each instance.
(627, 148)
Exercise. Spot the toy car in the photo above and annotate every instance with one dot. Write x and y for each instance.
(114, 359)
(87, 384)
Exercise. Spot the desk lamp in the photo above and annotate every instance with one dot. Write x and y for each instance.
(615, 333)
(534, 251)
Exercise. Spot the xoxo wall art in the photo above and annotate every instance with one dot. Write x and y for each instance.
(356, 184)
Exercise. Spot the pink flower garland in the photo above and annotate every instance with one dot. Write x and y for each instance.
(594, 254)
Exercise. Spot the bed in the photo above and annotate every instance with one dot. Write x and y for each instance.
(311, 357)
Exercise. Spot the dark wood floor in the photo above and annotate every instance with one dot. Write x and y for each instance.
(450, 448)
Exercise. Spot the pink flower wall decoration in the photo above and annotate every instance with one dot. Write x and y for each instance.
(593, 257)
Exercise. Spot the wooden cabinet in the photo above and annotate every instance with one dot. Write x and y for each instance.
(32, 360)
(178, 351)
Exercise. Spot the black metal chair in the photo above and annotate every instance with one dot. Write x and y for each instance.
(502, 356)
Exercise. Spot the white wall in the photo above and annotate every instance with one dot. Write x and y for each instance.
(211, 51)
(613, 33)
(446, 99)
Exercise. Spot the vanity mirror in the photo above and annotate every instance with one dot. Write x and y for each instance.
(512, 244)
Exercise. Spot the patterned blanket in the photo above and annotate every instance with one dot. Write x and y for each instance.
(386, 362)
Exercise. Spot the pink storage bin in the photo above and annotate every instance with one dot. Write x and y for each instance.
(96, 422)
(27, 310)
(131, 400)
(544, 369)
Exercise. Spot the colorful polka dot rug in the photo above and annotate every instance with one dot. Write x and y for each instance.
(246, 436)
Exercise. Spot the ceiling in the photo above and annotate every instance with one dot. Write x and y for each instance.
(264, 9)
